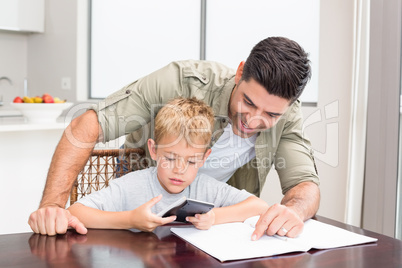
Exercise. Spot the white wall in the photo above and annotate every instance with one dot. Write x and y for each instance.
(13, 64)
(53, 55)
(41, 58)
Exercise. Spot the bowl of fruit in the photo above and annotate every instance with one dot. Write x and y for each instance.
(44, 109)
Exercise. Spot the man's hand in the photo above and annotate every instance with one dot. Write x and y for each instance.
(287, 219)
(203, 221)
(143, 219)
(52, 220)
(278, 219)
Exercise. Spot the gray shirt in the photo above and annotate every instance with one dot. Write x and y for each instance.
(138, 187)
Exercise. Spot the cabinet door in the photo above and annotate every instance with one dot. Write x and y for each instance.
(22, 15)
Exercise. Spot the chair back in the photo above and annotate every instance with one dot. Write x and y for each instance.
(103, 166)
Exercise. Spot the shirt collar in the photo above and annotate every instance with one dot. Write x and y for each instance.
(223, 107)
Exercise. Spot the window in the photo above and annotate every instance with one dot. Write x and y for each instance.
(132, 38)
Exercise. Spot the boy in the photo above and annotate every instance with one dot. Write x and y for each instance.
(183, 130)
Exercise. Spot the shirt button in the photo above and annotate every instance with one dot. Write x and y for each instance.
(204, 78)
(128, 91)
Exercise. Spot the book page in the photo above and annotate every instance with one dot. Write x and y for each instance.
(323, 236)
(320, 235)
(232, 241)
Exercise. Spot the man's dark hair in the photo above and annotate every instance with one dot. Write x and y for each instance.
(280, 65)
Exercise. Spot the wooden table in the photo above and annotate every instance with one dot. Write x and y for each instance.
(123, 248)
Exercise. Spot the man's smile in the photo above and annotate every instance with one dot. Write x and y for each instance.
(244, 128)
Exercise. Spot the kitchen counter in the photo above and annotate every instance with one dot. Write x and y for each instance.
(8, 111)
(26, 153)
(12, 120)
(19, 123)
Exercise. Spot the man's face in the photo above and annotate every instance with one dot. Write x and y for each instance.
(252, 109)
(177, 162)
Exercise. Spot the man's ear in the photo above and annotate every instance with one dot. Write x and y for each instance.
(152, 148)
(239, 72)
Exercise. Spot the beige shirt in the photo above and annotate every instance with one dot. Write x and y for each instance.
(131, 110)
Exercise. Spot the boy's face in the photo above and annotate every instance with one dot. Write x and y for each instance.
(177, 162)
(252, 109)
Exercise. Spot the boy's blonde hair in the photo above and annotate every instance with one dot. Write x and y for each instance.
(187, 118)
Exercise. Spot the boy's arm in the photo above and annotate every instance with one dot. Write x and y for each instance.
(252, 206)
(99, 219)
(140, 218)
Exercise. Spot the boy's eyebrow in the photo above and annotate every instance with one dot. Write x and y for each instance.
(252, 103)
(190, 156)
(171, 153)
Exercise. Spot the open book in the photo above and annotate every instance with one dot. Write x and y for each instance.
(232, 241)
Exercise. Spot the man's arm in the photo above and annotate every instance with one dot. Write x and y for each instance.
(287, 219)
(70, 156)
(294, 162)
(304, 199)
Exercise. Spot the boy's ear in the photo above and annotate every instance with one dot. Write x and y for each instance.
(152, 148)
(206, 154)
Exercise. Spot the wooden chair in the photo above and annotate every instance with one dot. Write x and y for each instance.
(102, 166)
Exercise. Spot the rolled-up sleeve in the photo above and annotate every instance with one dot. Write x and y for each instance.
(133, 106)
(294, 160)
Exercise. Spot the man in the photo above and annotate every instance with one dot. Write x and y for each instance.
(258, 124)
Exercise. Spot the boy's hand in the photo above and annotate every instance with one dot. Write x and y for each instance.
(203, 221)
(144, 220)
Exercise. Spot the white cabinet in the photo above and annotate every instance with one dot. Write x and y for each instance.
(24, 160)
(22, 15)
